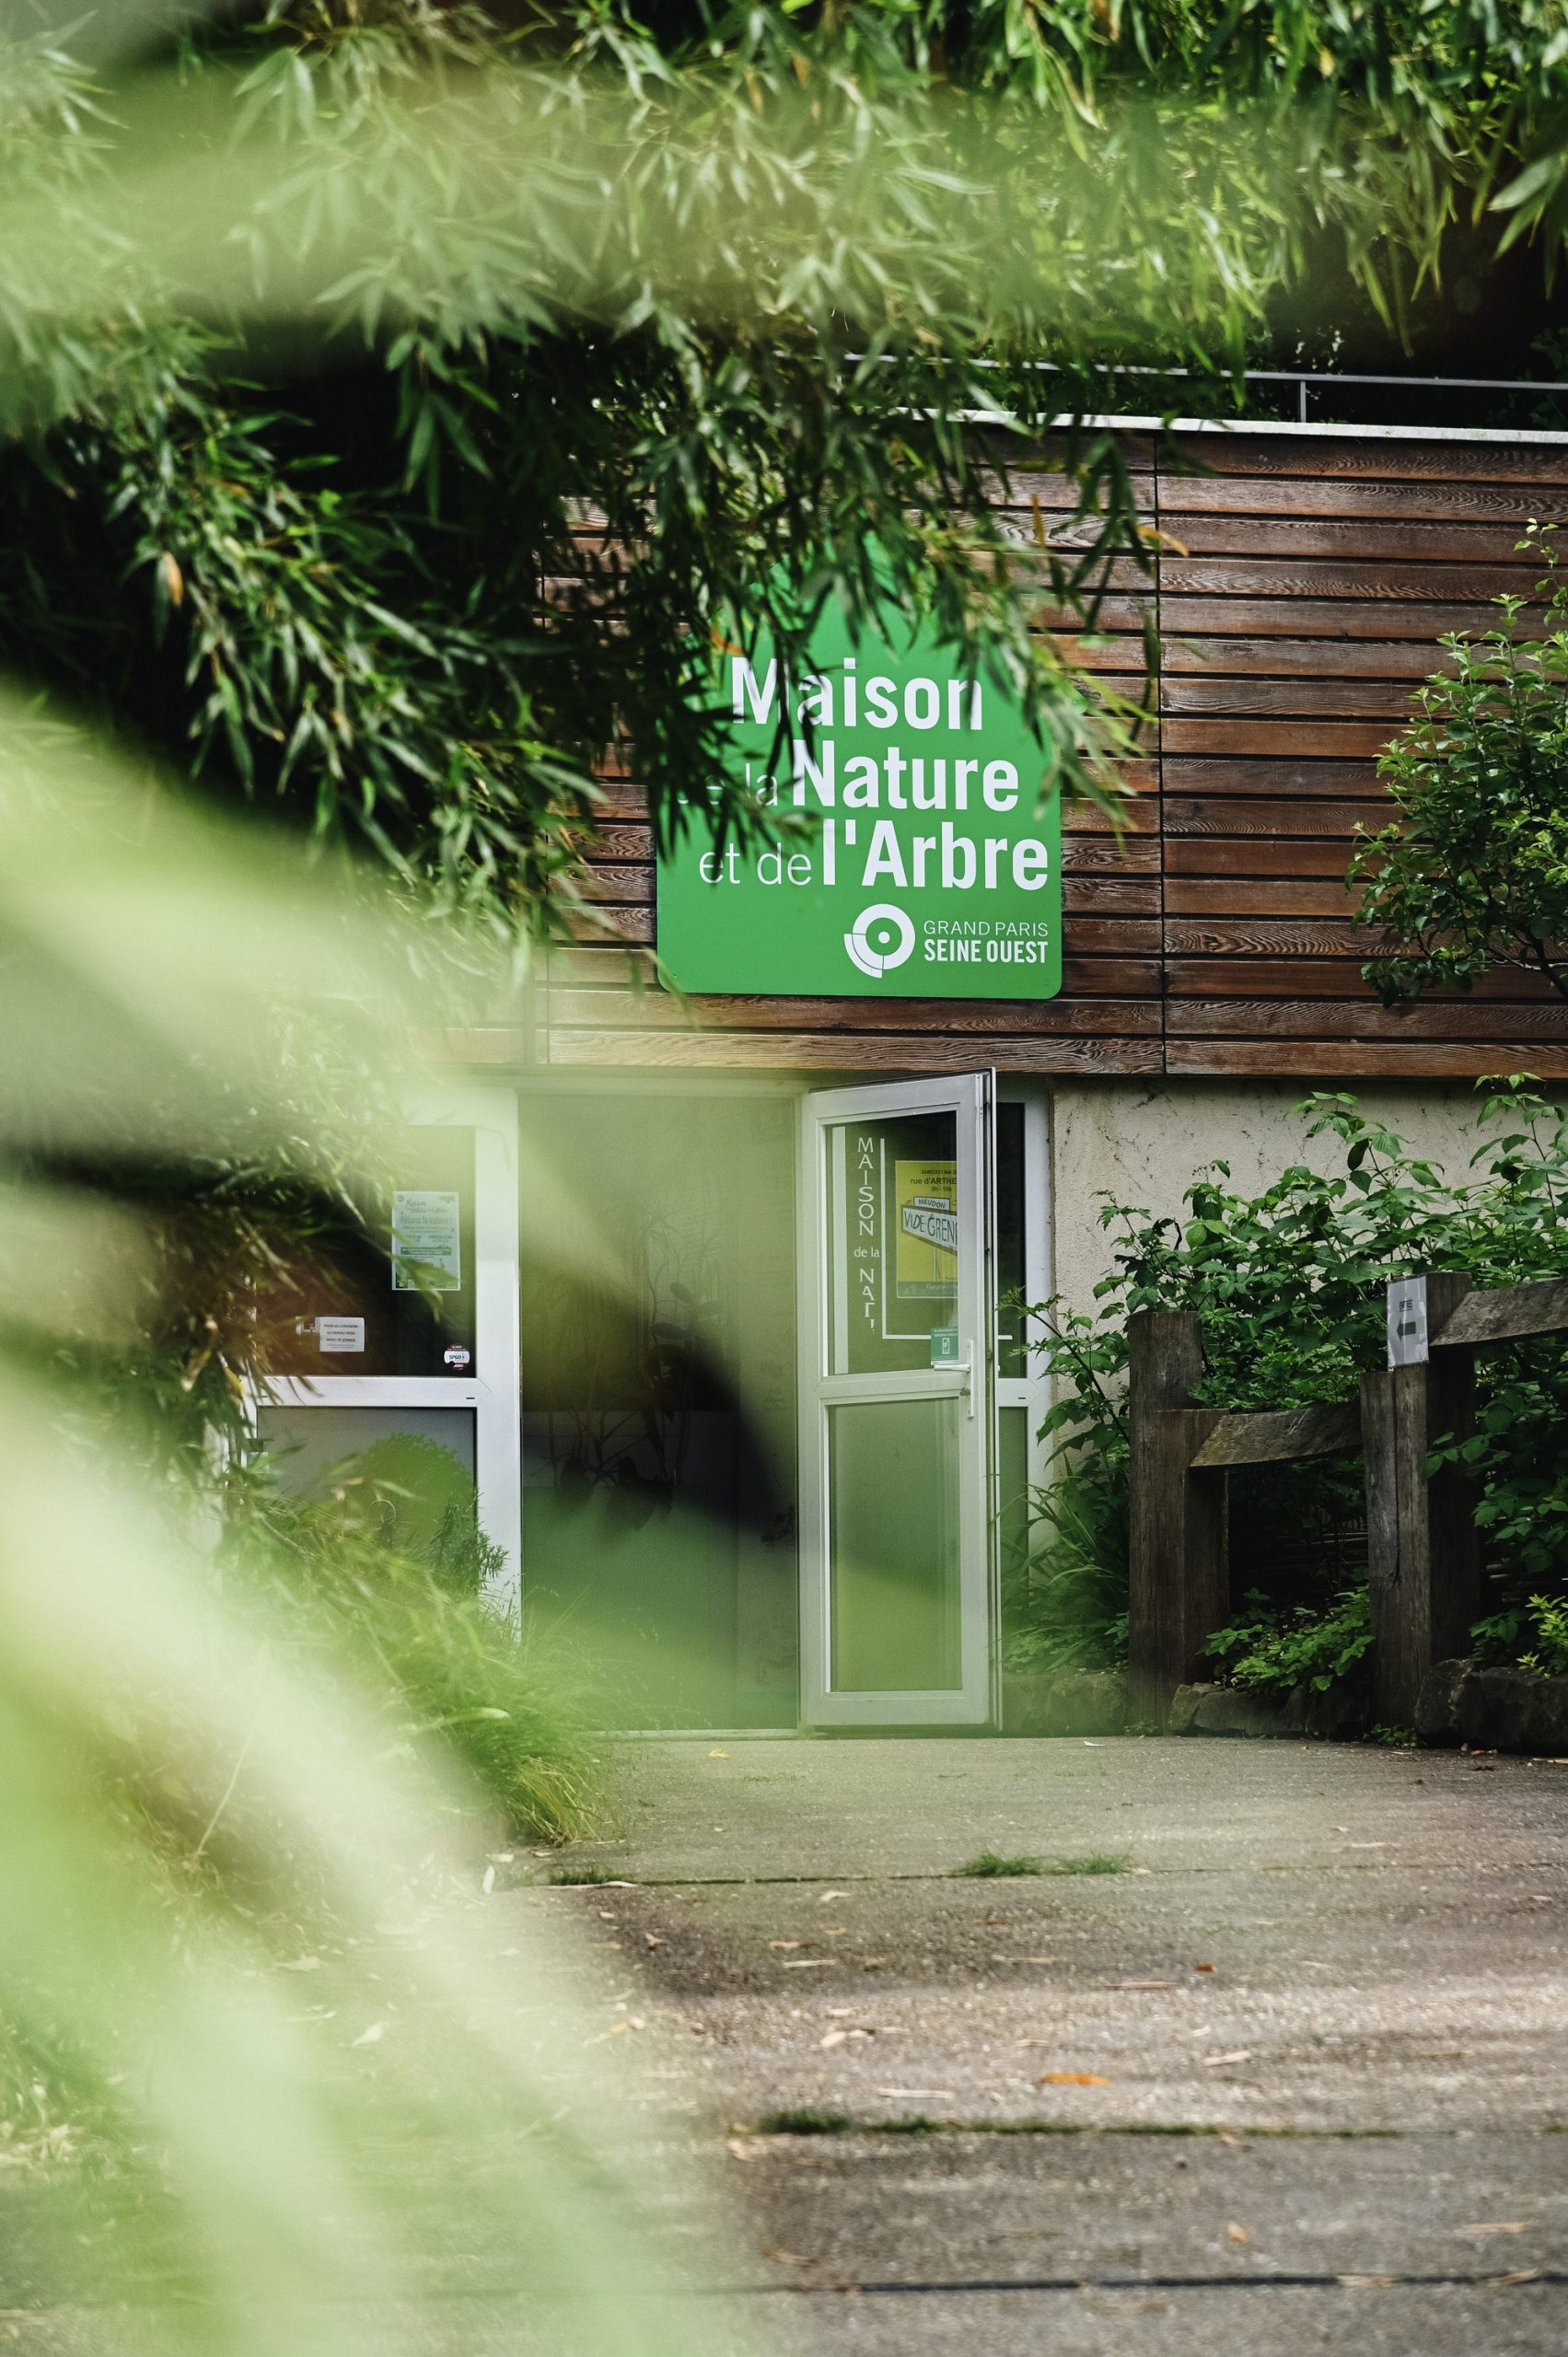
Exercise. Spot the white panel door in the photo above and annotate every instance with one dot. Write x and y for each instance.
(898, 1332)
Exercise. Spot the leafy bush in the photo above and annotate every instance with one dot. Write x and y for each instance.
(1473, 872)
(1273, 1652)
(1289, 1286)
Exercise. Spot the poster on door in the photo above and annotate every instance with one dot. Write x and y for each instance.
(426, 1241)
(925, 1218)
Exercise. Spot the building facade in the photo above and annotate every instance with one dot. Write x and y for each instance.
(742, 1377)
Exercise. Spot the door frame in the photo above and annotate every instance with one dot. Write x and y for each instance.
(492, 1392)
(972, 1098)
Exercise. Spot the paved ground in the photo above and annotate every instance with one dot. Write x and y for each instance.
(1290, 2067)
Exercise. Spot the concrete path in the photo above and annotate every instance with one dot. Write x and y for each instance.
(1272, 2055)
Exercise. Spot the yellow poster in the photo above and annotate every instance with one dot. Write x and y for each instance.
(926, 1208)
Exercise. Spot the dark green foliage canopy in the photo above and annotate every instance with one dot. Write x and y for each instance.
(402, 395)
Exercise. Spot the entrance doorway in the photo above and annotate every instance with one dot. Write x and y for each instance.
(776, 1413)
(898, 1254)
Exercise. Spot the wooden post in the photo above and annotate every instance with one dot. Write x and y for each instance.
(1423, 1552)
(1179, 1584)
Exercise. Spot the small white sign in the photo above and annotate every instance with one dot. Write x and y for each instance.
(1407, 1322)
(340, 1333)
(426, 1249)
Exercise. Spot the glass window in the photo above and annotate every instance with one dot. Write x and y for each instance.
(1012, 1358)
(893, 1215)
(387, 1287)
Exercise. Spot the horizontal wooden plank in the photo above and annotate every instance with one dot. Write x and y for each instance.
(1112, 936)
(1322, 618)
(595, 965)
(1290, 815)
(946, 1018)
(1339, 699)
(1245, 896)
(1121, 657)
(1200, 855)
(1224, 653)
(1105, 855)
(1138, 816)
(618, 923)
(1321, 577)
(1018, 487)
(1110, 614)
(621, 798)
(1508, 506)
(1360, 458)
(817, 1052)
(1108, 977)
(1425, 1018)
(1256, 775)
(1302, 739)
(621, 840)
(1255, 936)
(1444, 539)
(1352, 1058)
(1314, 978)
(1283, 1435)
(1111, 895)
(601, 881)
(1505, 1314)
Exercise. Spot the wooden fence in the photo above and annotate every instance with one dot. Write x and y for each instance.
(1424, 1551)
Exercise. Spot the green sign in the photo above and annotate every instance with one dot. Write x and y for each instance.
(934, 872)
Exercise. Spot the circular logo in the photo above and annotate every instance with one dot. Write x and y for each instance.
(880, 938)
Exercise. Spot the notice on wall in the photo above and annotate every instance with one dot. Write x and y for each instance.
(925, 1251)
(931, 863)
(426, 1242)
(340, 1335)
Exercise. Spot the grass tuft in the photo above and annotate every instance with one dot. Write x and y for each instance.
(991, 1864)
(804, 2122)
(580, 1877)
(1093, 1862)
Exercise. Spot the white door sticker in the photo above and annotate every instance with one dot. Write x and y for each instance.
(340, 1333)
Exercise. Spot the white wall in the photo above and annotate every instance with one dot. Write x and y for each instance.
(1144, 1141)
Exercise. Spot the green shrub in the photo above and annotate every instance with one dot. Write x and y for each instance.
(1064, 1598)
(1289, 1286)
(1534, 1633)
(1273, 1652)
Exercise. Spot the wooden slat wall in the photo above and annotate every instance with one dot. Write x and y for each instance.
(1302, 586)
(1294, 630)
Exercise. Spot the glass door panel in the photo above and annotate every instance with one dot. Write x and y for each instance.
(893, 1537)
(899, 1329)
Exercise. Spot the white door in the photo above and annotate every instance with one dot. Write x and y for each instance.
(896, 1448)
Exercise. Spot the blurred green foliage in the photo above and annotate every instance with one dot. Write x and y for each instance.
(265, 2085)
(379, 1573)
(403, 394)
